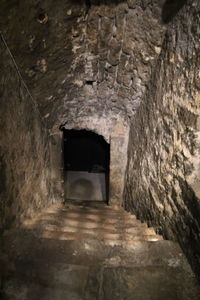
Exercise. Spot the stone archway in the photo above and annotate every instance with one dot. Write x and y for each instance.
(115, 132)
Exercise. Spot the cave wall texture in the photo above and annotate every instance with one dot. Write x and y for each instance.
(25, 176)
(163, 176)
(127, 70)
(84, 58)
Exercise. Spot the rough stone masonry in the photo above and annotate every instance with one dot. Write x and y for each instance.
(163, 174)
(129, 71)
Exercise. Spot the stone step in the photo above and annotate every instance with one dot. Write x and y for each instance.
(112, 239)
(28, 247)
(114, 227)
(77, 213)
(78, 282)
(34, 285)
(88, 210)
(85, 215)
(86, 223)
(92, 204)
(95, 229)
(102, 213)
(130, 243)
(89, 253)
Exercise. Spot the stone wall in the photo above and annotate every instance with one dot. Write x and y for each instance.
(163, 176)
(87, 63)
(84, 58)
(25, 173)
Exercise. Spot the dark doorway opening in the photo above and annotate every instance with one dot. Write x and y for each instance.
(86, 165)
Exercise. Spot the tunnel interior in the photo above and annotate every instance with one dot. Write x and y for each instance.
(86, 165)
(126, 69)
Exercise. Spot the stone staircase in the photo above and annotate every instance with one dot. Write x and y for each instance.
(88, 251)
(111, 225)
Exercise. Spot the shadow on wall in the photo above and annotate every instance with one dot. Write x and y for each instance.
(88, 3)
(171, 8)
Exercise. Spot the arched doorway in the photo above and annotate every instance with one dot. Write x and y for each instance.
(86, 165)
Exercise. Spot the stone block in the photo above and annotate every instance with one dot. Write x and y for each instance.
(132, 3)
